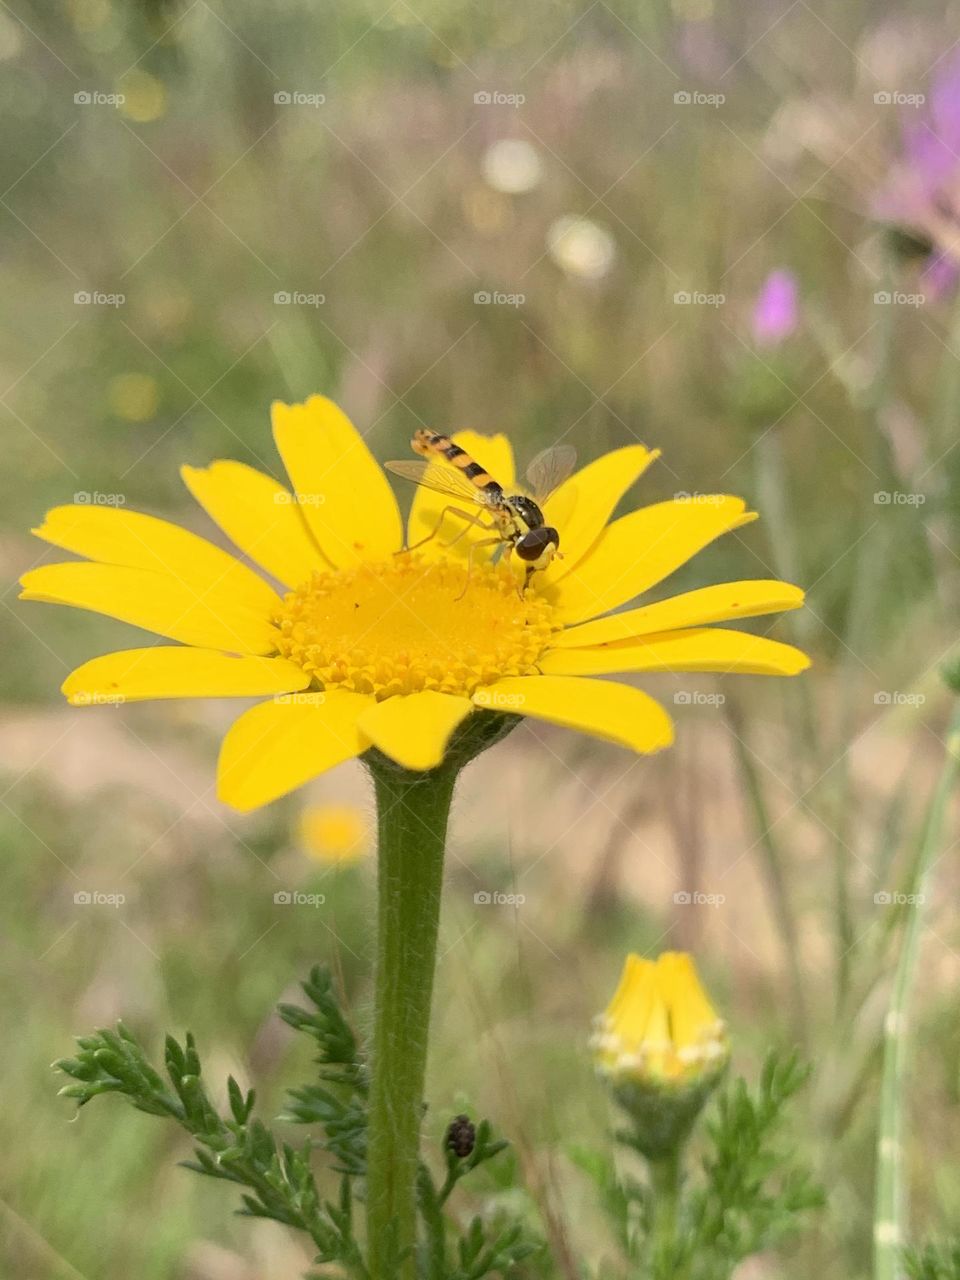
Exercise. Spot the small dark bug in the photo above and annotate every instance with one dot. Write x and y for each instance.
(461, 1136)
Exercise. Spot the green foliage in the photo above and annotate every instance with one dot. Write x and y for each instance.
(278, 1178)
(933, 1262)
(337, 1102)
(754, 1191)
(237, 1148)
(749, 1195)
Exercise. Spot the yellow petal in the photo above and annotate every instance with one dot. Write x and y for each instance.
(725, 602)
(641, 549)
(616, 712)
(414, 730)
(156, 602)
(111, 535)
(692, 1017)
(630, 1008)
(167, 672)
(698, 649)
(492, 452)
(279, 745)
(258, 515)
(343, 495)
(582, 505)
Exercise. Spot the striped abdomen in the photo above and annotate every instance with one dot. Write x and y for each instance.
(430, 445)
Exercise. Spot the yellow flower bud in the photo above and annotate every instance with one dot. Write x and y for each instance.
(662, 1047)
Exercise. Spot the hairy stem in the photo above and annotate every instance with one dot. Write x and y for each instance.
(412, 813)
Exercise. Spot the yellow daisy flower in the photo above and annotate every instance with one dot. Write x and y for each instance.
(371, 647)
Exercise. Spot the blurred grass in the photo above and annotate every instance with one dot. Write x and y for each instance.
(377, 200)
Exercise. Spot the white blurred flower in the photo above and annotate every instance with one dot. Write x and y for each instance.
(512, 166)
(581, 247)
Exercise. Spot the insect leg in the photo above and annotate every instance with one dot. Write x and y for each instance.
(471, 519)
(475, 546)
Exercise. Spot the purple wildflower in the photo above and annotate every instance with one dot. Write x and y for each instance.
(776, 310)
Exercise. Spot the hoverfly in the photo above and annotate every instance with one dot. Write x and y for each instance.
(515, 520)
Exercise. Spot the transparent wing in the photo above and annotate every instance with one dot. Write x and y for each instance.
(549, 469)
(441, 479)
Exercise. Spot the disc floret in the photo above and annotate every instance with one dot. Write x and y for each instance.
(410, 623)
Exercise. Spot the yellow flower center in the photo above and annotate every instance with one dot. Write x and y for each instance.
(408, 623)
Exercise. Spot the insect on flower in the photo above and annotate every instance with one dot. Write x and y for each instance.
(370, 649)
(515, 519)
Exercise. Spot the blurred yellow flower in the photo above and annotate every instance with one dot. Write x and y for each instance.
(660, 1028)
(144, 96)
(134, 397)
(334, 832)
(374, 647)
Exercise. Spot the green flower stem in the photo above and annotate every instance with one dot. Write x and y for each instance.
(665, 1176)
(412, 810)
(890, 1235)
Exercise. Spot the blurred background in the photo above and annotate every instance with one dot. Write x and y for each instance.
(723, 229)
